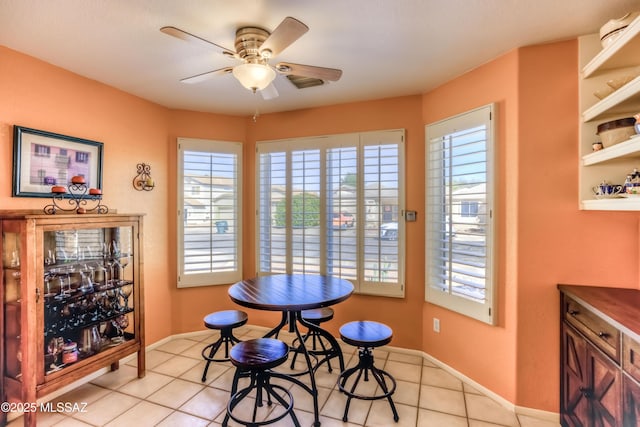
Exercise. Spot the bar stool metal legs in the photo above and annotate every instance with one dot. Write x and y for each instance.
(254, 359)
(366, 335)
(318, 346)
(225, 321)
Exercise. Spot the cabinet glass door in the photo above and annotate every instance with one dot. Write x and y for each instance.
(11, 270)
(88, 288)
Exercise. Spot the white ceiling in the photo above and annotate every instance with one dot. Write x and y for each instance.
(385, 48)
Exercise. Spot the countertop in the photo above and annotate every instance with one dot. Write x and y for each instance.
(619, 306)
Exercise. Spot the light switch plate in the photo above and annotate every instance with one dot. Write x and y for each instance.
(410, 216)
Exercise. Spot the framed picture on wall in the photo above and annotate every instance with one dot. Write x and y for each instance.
(44, 159)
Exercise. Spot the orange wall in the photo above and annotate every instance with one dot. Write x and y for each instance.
(557, 243)
(190, 305)
(38, 95)
(482, 352)
(543, 238)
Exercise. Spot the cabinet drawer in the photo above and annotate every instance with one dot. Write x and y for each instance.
(631, 356)
(600, 333)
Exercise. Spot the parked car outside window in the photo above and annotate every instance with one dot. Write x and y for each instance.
(343, 220)
(389, 231)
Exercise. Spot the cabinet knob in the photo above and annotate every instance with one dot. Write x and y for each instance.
(573, 312)
(603, 335)
(586, 392)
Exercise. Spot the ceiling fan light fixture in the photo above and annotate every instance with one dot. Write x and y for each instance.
(254, 76)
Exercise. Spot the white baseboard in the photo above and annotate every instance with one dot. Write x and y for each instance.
(553, 417)
(521, 410)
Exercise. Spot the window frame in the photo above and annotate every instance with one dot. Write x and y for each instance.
(209, 278)
(324, 143)
(485, 312)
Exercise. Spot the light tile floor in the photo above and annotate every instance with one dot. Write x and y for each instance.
(172, 394)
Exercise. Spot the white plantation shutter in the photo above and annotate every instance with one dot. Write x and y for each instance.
(209, 215)
(459, 205)
(305, 211)
(382, 259)
(321, 202)
(272, 191)
(342, 253)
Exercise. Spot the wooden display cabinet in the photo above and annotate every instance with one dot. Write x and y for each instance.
(72, 294)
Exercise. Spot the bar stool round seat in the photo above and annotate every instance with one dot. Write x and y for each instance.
(315, 316)
(318, 315)
(254, 359)
(224, 321)
(366, 335)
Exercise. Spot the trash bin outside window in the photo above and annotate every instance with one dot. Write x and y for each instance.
(222, 226)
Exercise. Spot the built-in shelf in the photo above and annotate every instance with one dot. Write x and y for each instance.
(618, 204)
(625, 149)
(612, 164)
(625, 99)
(622, 52)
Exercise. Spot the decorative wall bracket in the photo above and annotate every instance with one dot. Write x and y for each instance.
(82, 200)
(143, 180)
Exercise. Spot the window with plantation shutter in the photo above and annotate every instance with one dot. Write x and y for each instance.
(324, 204)
(460, 211)
(209, 212)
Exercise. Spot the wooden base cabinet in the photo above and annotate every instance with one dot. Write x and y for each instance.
(600, 357)
(72, 301)
(631, 401)
(591, 384)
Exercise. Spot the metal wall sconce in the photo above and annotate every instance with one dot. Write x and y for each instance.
(143, 180)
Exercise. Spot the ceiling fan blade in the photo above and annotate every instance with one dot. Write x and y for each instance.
(191, 38)
(269, 92)
(287, 68)
(206, 76)
(289, 30)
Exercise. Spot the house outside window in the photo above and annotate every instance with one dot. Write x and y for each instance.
(468, 209)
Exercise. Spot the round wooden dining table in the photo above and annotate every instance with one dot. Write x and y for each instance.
(291, 294)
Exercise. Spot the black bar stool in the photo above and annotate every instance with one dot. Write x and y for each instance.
(225, 322)
(315, 316)
(366, 335)
(254, 359)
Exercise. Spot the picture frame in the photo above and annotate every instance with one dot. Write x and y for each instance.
(43, 159)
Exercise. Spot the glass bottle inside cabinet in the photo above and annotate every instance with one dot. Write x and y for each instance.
(88, 293)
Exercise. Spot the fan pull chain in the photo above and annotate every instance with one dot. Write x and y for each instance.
(256, 113)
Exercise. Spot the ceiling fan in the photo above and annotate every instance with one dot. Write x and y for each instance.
(255, 47)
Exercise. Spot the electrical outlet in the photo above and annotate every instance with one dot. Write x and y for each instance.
(436, 324)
